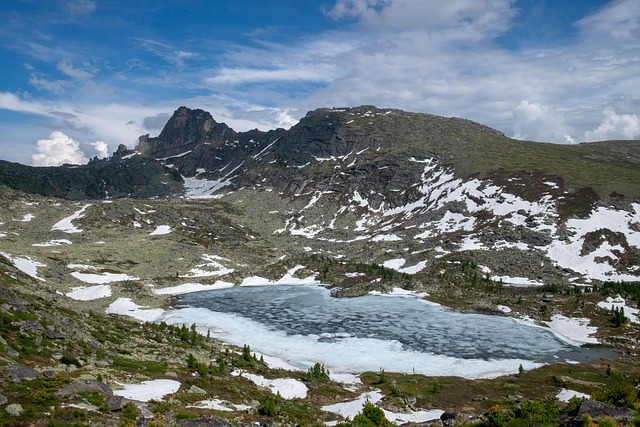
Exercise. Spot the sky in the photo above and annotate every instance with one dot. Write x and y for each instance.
(80, 77)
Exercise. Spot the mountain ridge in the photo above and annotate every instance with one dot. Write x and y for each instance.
(361, 200)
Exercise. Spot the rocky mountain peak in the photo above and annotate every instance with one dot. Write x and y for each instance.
(185, 130)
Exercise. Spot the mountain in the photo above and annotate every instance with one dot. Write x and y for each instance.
(123, 175)
(362, 199)
(429, 185)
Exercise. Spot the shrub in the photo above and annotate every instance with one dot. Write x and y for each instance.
(606, 422)
(621, 393)
(539, 411)
(371, 416)
(270, 405)
(318, 373)
(498, 416)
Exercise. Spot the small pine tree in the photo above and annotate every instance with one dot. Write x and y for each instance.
(317, 373)
(617, 316)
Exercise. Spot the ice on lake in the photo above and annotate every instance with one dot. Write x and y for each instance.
(303, 325)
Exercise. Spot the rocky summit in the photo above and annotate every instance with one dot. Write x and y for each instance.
(358, 199)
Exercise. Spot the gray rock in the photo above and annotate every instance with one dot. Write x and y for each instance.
(204, 422)
(3, 400)
(196, 390)
(85, 385)
(600, 410)
(170, 374)
(115, 403)
(49, 374)
(55, 335)
(32, 326)
(19, 373)
(14, 409)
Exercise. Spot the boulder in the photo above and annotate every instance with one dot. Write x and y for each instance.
(115, 403)
(85, 385)
(19, 372)
(55, 335)
(204, 422)
(596, 409)
(196, 390)
(14, 409)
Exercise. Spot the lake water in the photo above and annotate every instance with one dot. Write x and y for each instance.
(304, 324)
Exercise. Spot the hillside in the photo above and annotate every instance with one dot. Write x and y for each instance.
(361, 200)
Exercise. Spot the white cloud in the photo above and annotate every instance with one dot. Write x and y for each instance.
(619, 19)
(66, 68)
(243, 75)
(166, 52)
(101, 149)
(42, 83)
(615, 126)
(537, 122)
(57, 150)
(80, 7)
(427, 15)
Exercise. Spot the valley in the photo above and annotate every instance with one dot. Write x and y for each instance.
(361, 201)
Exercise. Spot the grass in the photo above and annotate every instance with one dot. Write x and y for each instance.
(480, 394)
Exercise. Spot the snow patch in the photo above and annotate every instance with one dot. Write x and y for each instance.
(160, 230)
(288, 388)
(575, 331)
(51, 243)
(148, 390)
(210, 268)
(26, 265)
(516, 281)
(565, 395)
(89, 293)
(102, 277)
(351, 408)
(186, 288)
(66, 224)
(620, 303)
(126, 307)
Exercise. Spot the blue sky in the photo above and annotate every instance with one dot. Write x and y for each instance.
(80, 77)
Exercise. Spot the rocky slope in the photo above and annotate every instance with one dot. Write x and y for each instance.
(363, 199)
(123, 175)
(428, 184)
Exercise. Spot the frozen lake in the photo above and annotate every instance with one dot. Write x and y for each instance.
(304, 324)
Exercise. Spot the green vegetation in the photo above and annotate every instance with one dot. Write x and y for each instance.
(619, 393)
(617, 316)
(371, 416)
(318, 373)
(270, 405)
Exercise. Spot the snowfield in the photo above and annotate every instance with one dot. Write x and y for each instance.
(66, 224)
(148, 390)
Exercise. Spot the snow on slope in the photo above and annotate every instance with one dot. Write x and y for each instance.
(66, 224)
(453, 206)
(25, 264)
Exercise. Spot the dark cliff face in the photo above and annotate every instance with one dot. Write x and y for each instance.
(347, 151)
(184, 131)
(116, 177)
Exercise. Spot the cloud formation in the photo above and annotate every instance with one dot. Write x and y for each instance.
(615, 126)
(79, 7)
(60, 149)
(454, 58)
(481, 16)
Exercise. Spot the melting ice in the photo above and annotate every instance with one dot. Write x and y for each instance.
(303, 325)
